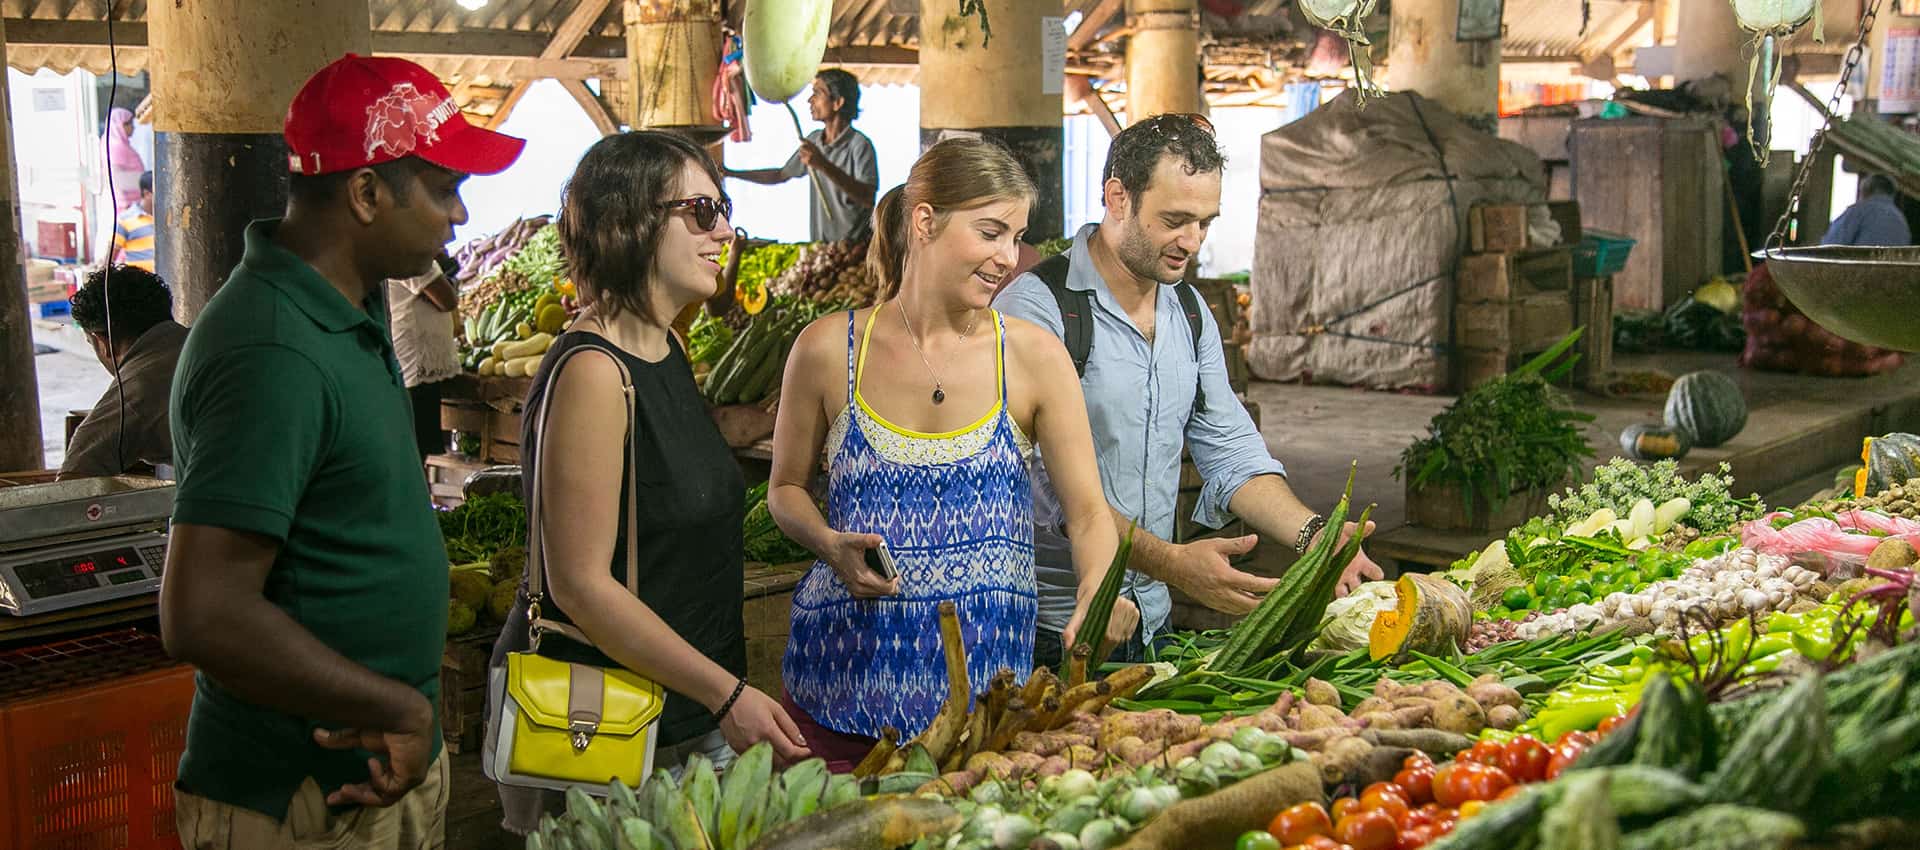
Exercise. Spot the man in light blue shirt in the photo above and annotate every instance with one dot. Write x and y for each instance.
(1144, 378)
(1875, 220)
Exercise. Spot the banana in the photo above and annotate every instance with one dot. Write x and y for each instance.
(636, 834)
(702, 789)
(775, 811)
(747, 773)
(535, 842)
(919, 760)
(804, 784)
(681, 821)
(841, 789)
(587, 812)
(653, 799)
(620, 801)
(747, 828)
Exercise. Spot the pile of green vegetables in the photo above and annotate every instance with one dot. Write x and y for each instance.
(1511, 434)
(1621, 483)
(483, 525)
(763, 539)
(708, 338)
(537, 267)
(759, 265)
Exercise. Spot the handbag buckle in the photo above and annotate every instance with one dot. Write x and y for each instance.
(582, 734)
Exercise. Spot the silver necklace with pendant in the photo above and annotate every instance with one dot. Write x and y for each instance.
(939, 394)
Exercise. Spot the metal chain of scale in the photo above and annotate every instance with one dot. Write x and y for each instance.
(1854, 54)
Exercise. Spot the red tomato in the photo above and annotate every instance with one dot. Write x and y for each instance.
(1417, 837)
(1385, 797)
(1564, 755)
(1418, 759)
(1485, 752)
(1433, 809)
(1585, 739)
(1488, 782)
(1325, 842)
(1510, 793)
(1296, 824)
(1418, 782)
(1608, 725)
(1525, 759)
(1367, 831)
(1413, 818)
(1445, 825)
(1344, 807)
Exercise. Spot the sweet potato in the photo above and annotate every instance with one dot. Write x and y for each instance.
(1024, 764)
(1136, 751)
(1407, 717)
(1216, 819)
(1342, 758)
(1083, 756)
(1371, 705)
(1490, 694)
(989, 764)
(1317, 717)
(1053, 766)
(1459, 714)
(1081, 723)
(955, 783)
(1047, 743)
(1159, 724)
(1433, 742)
(1503, 717)
(1317, 739)
(1438, 689)
(1180, 752)
(1323, 693)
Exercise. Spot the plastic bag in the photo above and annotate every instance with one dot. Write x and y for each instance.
(1845, 540)
(1780, 338)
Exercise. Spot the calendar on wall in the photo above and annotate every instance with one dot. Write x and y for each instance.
(1900, 72)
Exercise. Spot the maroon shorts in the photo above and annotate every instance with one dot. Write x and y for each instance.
(841, 750)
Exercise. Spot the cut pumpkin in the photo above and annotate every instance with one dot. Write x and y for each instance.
(1429, 614)
(752, 299)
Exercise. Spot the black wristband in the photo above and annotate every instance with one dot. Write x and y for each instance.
(1307, 530)
(728, 705)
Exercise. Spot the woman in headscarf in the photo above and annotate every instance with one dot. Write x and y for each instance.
(123, 162)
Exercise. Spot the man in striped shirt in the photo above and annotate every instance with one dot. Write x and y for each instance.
(133, 233)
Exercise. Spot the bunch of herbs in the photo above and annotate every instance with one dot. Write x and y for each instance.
(1621, 482)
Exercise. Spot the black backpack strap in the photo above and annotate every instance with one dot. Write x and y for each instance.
(1190, 304)
(1076, 309)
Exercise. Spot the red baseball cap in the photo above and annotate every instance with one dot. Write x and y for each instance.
(366, 110)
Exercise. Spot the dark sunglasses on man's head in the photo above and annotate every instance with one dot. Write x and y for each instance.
(704, 209)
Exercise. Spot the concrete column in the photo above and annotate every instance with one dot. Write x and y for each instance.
(1709, 42)
(996, 89)
(673, 54)
(20, 446)
(1163, 58)
(1423, 56)
(224, 72)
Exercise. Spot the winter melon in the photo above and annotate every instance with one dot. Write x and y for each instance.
(785, 42)
(1774, 15)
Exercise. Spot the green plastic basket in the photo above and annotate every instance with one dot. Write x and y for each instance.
(1601, 254)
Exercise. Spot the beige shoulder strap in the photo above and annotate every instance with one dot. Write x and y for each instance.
(536, 534)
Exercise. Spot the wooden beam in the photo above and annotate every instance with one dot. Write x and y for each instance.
(565, 38)
(479, 44)
(596, 109)
(1645, 17)
(1092, 21)
(857, 55)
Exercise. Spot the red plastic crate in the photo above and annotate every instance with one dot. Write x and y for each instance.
(90, 737)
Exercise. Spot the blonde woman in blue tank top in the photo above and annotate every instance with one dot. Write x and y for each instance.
(923, 411)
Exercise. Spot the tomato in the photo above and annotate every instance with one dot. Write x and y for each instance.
(1488, 782)
(1511, 793)
(1608, 725)
(1485, 752)
(1564, 755)
(1417, 837)
(1450, 784)
(1385, 797)
(1525, 759)
(1418, 759)
(1296, 824)
(1583, 738)
(1367, 831)
(1418, 783)
(1325, 842)
(1472, 807)
(1445, 825)
(1344, 807)
(1413, 818)
(1257, 839)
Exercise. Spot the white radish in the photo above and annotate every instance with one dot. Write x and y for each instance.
(1667, 514)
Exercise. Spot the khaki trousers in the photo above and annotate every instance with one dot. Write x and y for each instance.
(417, 822)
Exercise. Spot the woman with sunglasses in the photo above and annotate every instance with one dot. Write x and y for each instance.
(642, 226)
(925, 410)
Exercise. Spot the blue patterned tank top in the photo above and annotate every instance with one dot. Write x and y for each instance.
(956, 510)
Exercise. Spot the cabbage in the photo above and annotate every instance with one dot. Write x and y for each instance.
(1350, 618)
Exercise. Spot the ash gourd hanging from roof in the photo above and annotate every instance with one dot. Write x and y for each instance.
(1770, 21)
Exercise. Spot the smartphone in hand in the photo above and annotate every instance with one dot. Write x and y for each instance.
(880, 560)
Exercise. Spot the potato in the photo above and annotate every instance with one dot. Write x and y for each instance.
(1490, 694)
(1460, 715)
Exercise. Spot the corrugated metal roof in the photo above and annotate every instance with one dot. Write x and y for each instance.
(1553, 27)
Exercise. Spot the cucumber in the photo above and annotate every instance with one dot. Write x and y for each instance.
(1777, 761)
(1583, 819)
(1717, 827)
(1677, 733)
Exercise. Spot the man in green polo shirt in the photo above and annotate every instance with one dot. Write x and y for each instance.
(306, 577)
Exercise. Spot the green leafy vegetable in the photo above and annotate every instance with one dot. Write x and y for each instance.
(1620, 483)
(483, 525)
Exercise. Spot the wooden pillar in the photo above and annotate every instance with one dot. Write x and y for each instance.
(1000, 89)
(1709, 42)
(20, 446)
(225, 71)
(673, 54)
(1424, 56)
(1163, 58)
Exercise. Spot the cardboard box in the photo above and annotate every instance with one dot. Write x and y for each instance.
(1497, 228)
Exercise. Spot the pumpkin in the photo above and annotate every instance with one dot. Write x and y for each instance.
(1649, 441)
(1891, 459)
(1708, 406)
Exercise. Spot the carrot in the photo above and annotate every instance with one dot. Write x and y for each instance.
(1216, 819)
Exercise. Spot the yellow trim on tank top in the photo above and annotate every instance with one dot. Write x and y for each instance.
(999, 375)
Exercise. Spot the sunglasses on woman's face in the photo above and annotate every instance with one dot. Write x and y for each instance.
(704, 210)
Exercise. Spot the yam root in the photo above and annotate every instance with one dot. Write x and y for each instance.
(1048, 743)
(1460, 715)
(1318, 739)
(1083, 756)
(1160, 724)
(881, 753)
(1080, 723)
(1429, 614)
(953, 783)
(1379, 765)
(1181, 752)
(1024, 764)
(1490, 694)
(1408, 717)
(1073, 698)
(1433, 742)
(1504, 717)
(1371, 705)
(1013, 722)
(1053, 766)
(1342, 759)
(1037, 685)
(1128, 681)
(1218, 818)
(941, 735)
(1314, 716)
(1136, 751)
(990, 764)
(1323, 693)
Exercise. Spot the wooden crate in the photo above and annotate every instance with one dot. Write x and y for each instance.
(463, 689)
(1593, 309)
(1497, 228)
(1444, 508)
(1508, 306)
(1659, 181)
(447, 475)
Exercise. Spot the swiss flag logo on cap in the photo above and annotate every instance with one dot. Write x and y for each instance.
(366, 110)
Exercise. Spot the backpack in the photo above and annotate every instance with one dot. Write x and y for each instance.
(1076, 316)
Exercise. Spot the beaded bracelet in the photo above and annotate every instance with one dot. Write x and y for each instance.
(1307, 530)
(728, 705)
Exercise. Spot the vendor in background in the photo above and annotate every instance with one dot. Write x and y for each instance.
(641, 222)
(1874, 220)
(421, 309)
(846, 172)
(139, 343)
(943, 487)
(306, 577)
(133, 230)
(1143, 385)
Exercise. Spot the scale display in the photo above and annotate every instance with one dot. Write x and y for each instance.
(83, 573)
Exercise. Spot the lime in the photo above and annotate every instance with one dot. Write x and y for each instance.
(1500, 612)
(1257, 839)
(1516, 598)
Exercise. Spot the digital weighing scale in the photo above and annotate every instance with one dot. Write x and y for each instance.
(73, 543)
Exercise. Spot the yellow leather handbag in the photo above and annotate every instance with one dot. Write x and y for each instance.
(557, 724)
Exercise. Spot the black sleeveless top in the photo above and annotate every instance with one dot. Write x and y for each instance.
(689, 510)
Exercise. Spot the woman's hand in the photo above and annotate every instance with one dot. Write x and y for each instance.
(846, 553)
(756, 717)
